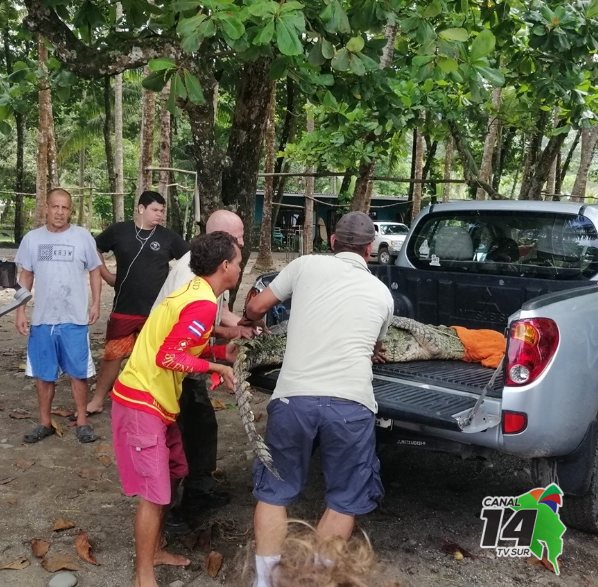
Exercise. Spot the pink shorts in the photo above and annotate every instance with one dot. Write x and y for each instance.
(149, 453)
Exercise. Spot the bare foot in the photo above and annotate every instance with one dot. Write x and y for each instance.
(145, 582)
(94, 408)
(163, 557)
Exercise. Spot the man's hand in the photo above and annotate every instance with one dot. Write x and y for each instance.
(232, 350)
(226, 373)
(257, 326)
(230, 332)
(379, 356)
(94, 313)
(21, 322)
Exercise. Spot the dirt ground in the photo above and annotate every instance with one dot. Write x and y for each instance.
(431, 508)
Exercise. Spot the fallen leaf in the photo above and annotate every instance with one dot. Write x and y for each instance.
(258, 417)
(39, 547)
(543, 562)
(19, 414)
(17, 565)
(453, 548)
(24, 464)
(106, 460)
(60, 562)
(62, 524)
(22, 366)
(214, 563)
(218, 405)
(6, 480)
(83, 548)
(62, 412)
(91, 474)
(103, 448)
(58, 427)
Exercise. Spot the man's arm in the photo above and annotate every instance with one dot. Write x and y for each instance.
(95, 282)
(259, 305)
(25, 280)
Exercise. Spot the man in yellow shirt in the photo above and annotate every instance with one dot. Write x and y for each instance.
(173, 342)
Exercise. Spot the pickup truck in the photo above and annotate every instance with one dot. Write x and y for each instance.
(390, 237)
(528, 269)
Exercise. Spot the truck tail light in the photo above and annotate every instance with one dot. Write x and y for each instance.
(513, 422)
(532, 343)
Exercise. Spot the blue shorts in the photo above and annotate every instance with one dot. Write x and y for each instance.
(345, 430)
(56, 348)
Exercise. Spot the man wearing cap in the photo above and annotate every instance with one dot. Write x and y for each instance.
(340, 315)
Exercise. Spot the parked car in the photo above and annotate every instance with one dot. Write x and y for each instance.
(390, 237)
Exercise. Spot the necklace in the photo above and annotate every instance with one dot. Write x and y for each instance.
(143, 239)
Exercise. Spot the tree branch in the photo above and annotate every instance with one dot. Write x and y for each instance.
(112, 54)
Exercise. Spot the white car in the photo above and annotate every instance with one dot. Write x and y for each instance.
(388, 242)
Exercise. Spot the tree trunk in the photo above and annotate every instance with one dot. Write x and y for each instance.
(430, 155)
(165, 133)
(542, 166)
(41, 183)
(206, 154)
(308, 217)
(485, 173)
(264, 260)
(107, 131)
(82, 215)
(448, 168)
(239, 179)
(360, 202)
(565, 167)
(419, 164)
(532, 158)
(118, 199)
(287, 135)
(20, 177)
(589, 137)
(504, 143)
(146, 139)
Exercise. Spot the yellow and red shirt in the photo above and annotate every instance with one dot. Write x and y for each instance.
(170, 346)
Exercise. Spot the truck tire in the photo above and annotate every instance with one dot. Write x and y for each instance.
(383, 255)
(579, 511)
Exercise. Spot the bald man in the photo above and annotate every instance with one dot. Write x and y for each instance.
(197, 420)
(59, 256)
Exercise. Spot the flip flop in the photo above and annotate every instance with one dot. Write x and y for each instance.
(39, 433)
(85, 434)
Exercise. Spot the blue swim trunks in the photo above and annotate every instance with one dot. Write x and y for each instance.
(347, 444)
(53, 349)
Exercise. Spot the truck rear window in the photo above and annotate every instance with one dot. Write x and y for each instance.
(548, 245)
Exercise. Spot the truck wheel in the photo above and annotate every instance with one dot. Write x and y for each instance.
(579, 511)
(383, 255)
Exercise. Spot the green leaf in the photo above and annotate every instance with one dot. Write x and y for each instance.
(263, 9)
(368, 62)
(315, 56)
(329, 101)
(161, 64)
(340, 61)
(155, 81)
(287, 40)
(335, 18)
(433, 9)
(454, 34)
(420, 60)
(178, 86)
(279, 67)
(482, 45)
(188, 26)
(191, 43)
(592, 11)
(184, 5)
(495, 77)
(327, 49)
(265, 35)
(355, 44)
(290, 6)
(232, 27)
(447, 64)
(5, 128)
(193, 88)
(356, 65)
(5, 111)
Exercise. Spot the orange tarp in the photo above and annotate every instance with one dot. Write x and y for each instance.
(482, 346)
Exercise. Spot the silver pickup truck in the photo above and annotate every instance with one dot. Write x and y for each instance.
(528, 269)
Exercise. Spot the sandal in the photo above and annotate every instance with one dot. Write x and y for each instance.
(85, 434)
(39, 433)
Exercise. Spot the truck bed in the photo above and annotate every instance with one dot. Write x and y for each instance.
(424, 392)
